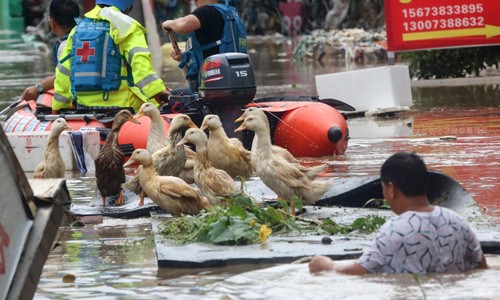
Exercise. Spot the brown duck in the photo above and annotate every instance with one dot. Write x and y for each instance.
(109, 171)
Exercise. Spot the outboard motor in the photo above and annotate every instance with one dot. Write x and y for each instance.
(227, 84)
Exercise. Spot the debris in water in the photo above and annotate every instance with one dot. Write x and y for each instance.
(326, 240)
(448, 138)
(69, 278)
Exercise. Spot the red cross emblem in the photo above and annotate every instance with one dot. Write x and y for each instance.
(4, 242)
(85, 51)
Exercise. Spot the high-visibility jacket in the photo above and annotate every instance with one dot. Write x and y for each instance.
(129, 35)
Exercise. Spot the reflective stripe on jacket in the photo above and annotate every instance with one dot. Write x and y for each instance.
(129, 35)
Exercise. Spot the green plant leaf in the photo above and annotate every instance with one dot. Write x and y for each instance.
(231, 231)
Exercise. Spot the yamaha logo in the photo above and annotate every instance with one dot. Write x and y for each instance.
(211, 72)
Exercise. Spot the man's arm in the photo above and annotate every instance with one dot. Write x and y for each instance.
(182, 25)
(162, 97)
(322, 263)
(31, 92)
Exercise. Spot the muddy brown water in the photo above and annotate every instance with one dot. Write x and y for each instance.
(456, 129)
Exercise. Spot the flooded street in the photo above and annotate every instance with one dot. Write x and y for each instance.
(116, 259)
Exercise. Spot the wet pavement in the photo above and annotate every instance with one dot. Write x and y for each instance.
(456, 130)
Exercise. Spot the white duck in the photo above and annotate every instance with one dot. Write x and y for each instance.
(169, 192)
(157, 138)
(281, 176)
(52, 165)
(225, 153)
(213, 183)
(310, 172)
(169, 160)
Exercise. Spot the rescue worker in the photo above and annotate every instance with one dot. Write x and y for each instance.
(110, 43)
(62, 15)
(211, 28)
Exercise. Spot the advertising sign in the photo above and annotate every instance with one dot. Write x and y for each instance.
(426, 24)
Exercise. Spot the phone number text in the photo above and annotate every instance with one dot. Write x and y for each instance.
(439, 11)
(453, 23)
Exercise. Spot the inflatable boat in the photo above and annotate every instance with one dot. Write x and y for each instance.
(305, 125)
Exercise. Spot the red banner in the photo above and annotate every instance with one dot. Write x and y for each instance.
(426, 24)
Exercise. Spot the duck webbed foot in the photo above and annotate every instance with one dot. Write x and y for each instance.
(141, 202)
(292, 208)
(242, 183)
(119, 201)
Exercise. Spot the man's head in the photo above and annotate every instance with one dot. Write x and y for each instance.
(64, 12)
(407, 172)
(124, 5)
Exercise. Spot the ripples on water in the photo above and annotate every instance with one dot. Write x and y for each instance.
(116, 258)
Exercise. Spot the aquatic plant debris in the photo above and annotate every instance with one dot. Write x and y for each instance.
(242, 221)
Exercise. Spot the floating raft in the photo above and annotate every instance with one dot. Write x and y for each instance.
(344, 201)
(443, 190)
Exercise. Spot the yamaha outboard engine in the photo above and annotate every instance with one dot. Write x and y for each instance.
(227, 84)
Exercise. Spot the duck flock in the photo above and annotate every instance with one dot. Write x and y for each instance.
(183, 181)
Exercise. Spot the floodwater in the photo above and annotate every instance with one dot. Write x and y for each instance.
(456, 129)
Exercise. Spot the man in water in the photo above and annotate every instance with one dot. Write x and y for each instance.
(423, 238)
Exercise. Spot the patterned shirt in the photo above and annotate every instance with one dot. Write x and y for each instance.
(423, 242)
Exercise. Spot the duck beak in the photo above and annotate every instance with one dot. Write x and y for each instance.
(241, 118)
(130, 162)
(192, 125)
(182, 142)
(139, 114)
(67, 127)
(241, 128)
(203, 126)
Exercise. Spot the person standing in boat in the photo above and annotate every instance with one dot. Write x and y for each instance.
(106, 63)
(423, 238)
(62, 15)
(211, 28)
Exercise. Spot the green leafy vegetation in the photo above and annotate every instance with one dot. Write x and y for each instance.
(241, 221)
(454, 63)
(366, 225)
